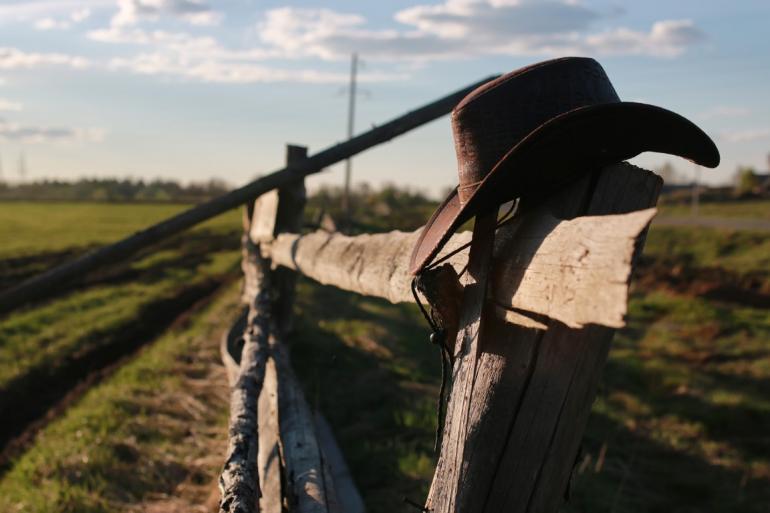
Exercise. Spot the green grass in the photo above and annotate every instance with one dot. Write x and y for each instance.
(745, 209)
(681, 418)
(741, 252)
(149, 432)
(682, 413)
(369, 367)
(29, 228)
(113, 306)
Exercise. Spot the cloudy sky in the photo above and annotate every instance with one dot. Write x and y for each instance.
(194, 89)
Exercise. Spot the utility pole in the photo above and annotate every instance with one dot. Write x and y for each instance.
(351, 118)
(22, 167)
(696, 191)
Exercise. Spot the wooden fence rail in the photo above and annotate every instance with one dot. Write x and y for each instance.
(43, 284)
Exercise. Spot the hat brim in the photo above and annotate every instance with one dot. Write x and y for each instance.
(560, 151)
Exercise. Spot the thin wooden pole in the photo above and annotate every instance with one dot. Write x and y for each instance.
(43, 284)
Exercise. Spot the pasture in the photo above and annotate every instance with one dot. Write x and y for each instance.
(680, 422)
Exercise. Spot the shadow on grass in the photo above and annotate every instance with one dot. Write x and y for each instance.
(368, 366)
(744, 425)
(640, 474)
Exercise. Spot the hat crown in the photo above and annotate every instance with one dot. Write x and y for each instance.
(496, 116)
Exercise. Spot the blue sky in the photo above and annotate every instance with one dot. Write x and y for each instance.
(195, 89)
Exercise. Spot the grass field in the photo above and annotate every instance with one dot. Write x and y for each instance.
(682, 416)
(48, 347)
(741, 209)
(41, 335)
(149, 438)
(680, 423)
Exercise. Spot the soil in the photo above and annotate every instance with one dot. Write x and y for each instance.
(56, 388)
(716, 283)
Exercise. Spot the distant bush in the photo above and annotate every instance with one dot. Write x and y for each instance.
(372, 209)
(746, 181)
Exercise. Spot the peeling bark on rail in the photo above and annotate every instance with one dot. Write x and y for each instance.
(239, 481)
(573, 271)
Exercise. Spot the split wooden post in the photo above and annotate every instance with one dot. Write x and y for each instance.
(251, 480)
(530, 390)
(291, 469)
(239, 481)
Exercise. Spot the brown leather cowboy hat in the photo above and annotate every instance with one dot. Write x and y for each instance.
(529, 132)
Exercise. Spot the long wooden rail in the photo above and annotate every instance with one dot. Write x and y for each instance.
(43, 284)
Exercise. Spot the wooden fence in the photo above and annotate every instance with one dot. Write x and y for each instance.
(528, 355)
(531, 320)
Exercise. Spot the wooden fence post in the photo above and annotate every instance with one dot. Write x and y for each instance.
(288, 466)
(289, 217)
(530, 390)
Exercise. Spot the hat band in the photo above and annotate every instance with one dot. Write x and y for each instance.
(464, 192)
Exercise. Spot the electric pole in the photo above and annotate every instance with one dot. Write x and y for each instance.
(22, 167)
(696, 191)
(351, 118)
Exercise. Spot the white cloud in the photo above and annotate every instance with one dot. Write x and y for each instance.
(203, 58)
(58, 10)
(13, 58)
(495, 18)
(454, 29)
(42, 134)
(724, 111)
(196, 12)
(668, 38)
(467, 28)
(739, 136)
(232, 71)
(64, 23)
(10, 106)
(80, 15)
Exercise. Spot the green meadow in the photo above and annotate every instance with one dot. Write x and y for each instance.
(680, 422)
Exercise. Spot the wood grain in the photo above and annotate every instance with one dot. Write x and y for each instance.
(574, 271)
(533, 388)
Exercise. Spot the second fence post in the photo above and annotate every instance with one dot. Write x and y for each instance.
(288, 218)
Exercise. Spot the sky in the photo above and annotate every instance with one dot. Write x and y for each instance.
(198, 89)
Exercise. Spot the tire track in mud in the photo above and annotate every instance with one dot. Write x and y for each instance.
(30, 402)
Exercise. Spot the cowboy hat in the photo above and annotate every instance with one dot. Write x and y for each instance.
(533, 130)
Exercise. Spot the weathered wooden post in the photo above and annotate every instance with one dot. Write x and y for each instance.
(286, 461)
(289, 218)
(518, 409)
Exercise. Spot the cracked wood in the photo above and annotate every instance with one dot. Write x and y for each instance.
(574, 271)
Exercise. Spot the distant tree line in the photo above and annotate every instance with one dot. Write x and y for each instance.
(113, 190)
(373, 209)
(747, 183)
